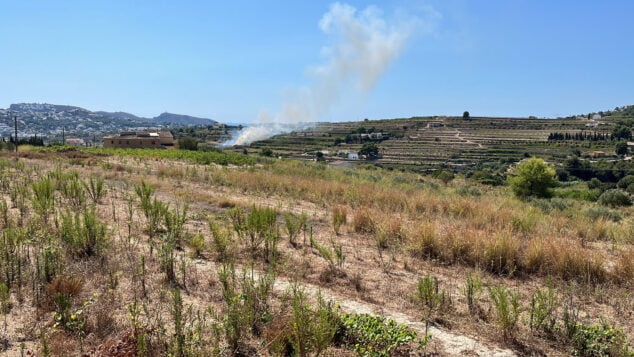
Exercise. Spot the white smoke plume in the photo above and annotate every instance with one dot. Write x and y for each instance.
(365, 44)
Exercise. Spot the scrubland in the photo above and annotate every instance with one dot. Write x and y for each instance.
(113, 253)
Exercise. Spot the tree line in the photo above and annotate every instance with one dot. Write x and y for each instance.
(582, 136)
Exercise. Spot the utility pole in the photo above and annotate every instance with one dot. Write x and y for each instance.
(15, 136)
(63, 136)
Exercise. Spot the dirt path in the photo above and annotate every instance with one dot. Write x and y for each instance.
(452, 344)
(467, 140)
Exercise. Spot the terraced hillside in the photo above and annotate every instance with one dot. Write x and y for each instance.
(429, 142)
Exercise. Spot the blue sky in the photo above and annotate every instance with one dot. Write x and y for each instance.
(229, 60)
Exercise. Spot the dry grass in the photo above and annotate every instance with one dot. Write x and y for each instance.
(70, 286)
(362, 221)
(422, 228)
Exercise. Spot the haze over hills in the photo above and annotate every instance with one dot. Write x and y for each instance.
(48, 120)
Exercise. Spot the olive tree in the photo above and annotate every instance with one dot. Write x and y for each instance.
(369, 150)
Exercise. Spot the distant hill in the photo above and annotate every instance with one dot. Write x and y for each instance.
(50, 120)
(163, 118)
(122, 115)
(182, 119)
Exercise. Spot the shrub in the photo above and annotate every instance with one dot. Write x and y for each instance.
(153, 209)
(472, 290)
(175, 223)
(333, 256)
(507, 307)
(188, 143)
(615, 198)
(550, 205)
(234, 315)
(625, 182)
(155, 212)
(581, 195)
(221, 241)
(362, 221)
(374, 335)
(339, 217)
(600, 340)
(469, 191)
(533, 177)
(444, 175)
(73, 192)
(429, 296)
(624, 269)
(424, 242)
(84, 235)
(256, 293)
(543, 309)
(5, 299)
(198, 245)
(260, 226)
(487, 177)
(293, 225)
(594, 183)
(70, 286)
(604, 213)
(43, 197)
(94, 188)
(311, 330)
(4, 213)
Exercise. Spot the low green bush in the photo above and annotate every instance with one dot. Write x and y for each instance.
(625, 182)
(370, 335)
(615, 198)
(580, 195)
(600, 340)
(602, 212)
(469, 191)
(547, 206)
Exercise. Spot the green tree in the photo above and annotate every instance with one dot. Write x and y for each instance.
(621, 148)
(444, 175)
(465, 115)
(533, 177)
(369, 150)
(188, 143)
(266, 151)
(625, 182)
(622, 132)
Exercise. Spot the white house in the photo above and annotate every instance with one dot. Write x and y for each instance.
(75, 142)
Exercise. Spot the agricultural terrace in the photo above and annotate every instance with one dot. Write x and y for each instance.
(426, 143)
(149, 252)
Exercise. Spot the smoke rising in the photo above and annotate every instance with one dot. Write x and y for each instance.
(364, 44)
